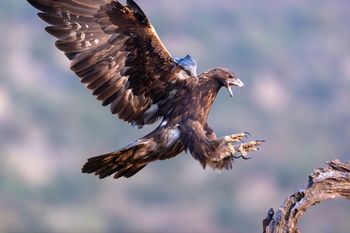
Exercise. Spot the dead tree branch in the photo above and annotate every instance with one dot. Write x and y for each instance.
(324, 183)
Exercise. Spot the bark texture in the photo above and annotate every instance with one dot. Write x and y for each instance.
(330, 182)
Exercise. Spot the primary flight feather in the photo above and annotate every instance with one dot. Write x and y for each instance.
(118, 55)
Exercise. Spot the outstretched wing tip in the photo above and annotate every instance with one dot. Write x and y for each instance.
(132, 4)
(36, 4)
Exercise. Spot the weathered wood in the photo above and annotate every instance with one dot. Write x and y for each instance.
(324, 183)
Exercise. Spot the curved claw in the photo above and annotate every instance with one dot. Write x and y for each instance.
(237, 157)
(242, 150)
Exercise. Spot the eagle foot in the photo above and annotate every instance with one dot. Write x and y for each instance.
(236, 137)
(242, 150)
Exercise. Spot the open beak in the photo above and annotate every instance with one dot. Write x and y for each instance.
(236, 82)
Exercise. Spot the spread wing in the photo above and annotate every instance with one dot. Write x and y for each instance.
(116, 52)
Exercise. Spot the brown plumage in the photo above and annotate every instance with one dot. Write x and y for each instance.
(117, 54)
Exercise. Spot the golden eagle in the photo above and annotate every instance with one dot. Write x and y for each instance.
(117, 54)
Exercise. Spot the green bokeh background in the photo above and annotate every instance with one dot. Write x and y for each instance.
(294, 57)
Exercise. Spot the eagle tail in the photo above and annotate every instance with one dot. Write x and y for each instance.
(120, 163)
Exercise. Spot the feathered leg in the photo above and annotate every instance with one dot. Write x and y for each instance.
(218, 153)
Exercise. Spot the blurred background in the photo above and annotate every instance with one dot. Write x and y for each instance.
(294, 57)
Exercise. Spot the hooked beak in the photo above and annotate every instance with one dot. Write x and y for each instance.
(236, 82)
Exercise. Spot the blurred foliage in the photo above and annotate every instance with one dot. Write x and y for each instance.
(294, 57)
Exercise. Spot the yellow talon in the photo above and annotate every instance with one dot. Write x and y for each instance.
(231, 148)
(242, 150)
(236, 137)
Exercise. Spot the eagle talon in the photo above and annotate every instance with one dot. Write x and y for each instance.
(237, 157)
(244, 148)
(237, 137)
(232, 149)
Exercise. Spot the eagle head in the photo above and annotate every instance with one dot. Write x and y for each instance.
(226, 78)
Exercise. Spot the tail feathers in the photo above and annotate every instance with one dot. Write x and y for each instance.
(121, 162)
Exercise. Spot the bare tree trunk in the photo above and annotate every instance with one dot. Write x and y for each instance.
(324, 183)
